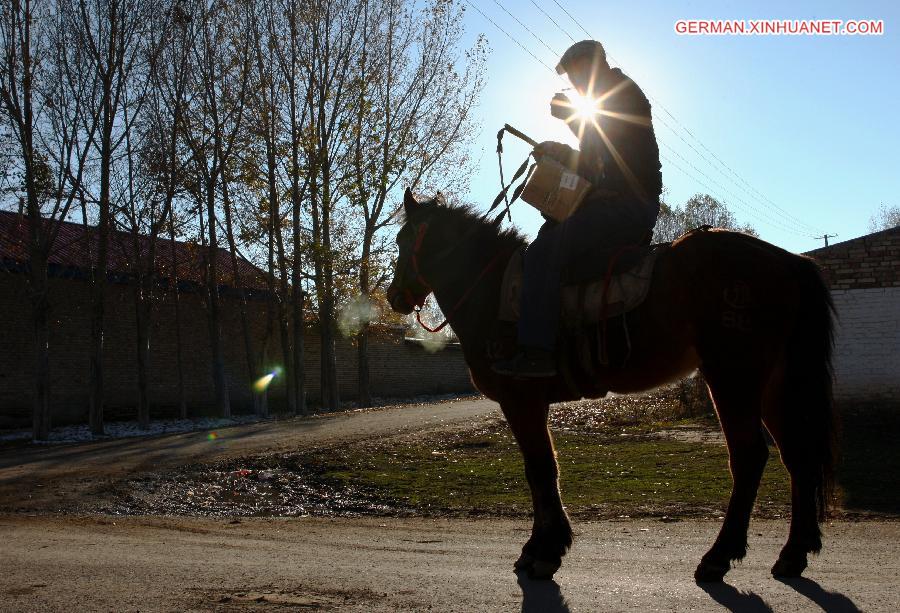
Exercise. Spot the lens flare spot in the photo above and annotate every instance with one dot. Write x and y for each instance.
(263, 382)
(212, 436)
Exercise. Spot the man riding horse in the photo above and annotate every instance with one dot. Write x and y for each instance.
(618, 154)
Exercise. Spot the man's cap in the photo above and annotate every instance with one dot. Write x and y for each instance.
(586, 49)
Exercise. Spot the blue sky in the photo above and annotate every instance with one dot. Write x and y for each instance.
(805, 123)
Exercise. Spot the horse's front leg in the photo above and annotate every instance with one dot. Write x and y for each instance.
(551, 534)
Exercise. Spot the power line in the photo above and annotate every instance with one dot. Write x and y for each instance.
(508, 35)
(541, 40)
(752, 191)
(726, 166)
(656, 101)
(799, 225)
(760, 214)
(751, 212)
(575, 21)
(547, 15)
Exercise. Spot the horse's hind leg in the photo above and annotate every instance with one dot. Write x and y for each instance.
(738, 404)
(551, 534)
(804, 536)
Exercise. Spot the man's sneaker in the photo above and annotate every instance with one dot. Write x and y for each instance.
(527, 364)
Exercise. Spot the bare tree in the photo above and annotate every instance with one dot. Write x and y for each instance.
(334, 31)
(107, 40)
(51, 128)
(699, 210)
(413, 118)
(275, 105)
(220, 71)
(885, 218)
(161, 168)
(291, 54)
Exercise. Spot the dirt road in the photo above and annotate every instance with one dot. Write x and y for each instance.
(161, 564)
(97, 562)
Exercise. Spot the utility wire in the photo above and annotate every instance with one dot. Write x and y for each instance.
(575, 21)
(508, 35)
(656, 101)
(539, 39)
(751, 212)
(754, 193)
(776, 222)
(547, 15)
(800, 226)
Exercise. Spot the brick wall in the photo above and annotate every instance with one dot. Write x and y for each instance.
(399, 368)
(866, 262)
(867, 344)
(864, 275)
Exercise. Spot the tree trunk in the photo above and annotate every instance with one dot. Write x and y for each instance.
(98, 297)
(283, 325)
(179, 365)
(330, 388)
(362, 338)
(252, 368)
(108, 77)
(142, 319)
(143, 303)
(40, 308)
(220, 381)
(299, 379)
(362, 350)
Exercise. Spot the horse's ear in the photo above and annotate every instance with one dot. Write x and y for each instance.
(410, 204)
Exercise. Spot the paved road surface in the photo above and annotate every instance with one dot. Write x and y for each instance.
(162, 564)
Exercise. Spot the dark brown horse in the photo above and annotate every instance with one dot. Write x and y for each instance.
(754, 319)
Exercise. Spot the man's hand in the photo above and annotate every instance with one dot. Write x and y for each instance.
(561, 107)
(560, 152)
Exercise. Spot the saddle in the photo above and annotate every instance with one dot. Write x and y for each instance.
(597, 294)
(589, 294)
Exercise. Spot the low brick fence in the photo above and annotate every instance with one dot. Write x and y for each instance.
(399, 367)
(864, 276)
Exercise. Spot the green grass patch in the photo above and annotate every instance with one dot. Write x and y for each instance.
(607, 474)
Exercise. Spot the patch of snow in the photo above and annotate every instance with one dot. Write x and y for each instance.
(128, 429)
(379, 402)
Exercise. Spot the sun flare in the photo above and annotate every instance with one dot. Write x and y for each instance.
(586, 107)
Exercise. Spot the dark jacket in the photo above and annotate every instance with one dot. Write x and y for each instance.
(629, 153)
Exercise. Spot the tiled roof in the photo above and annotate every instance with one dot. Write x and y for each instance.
(75, 245)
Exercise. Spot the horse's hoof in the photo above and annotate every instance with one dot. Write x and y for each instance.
(708, 572)
(542, 570)
(789, 568)
(526, 560)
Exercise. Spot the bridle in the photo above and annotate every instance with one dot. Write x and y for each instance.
(417, 302)
(414, 258)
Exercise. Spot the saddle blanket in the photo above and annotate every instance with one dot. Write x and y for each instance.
(583, 303)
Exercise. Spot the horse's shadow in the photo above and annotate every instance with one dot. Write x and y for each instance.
(834, 602)
(735, 600)
(541, 596)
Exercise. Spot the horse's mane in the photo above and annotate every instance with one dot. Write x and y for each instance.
(466, 219)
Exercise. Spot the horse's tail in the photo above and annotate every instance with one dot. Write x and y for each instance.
(809, 407)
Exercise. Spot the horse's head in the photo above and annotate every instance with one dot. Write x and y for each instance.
(409, 288)
(439, 245)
